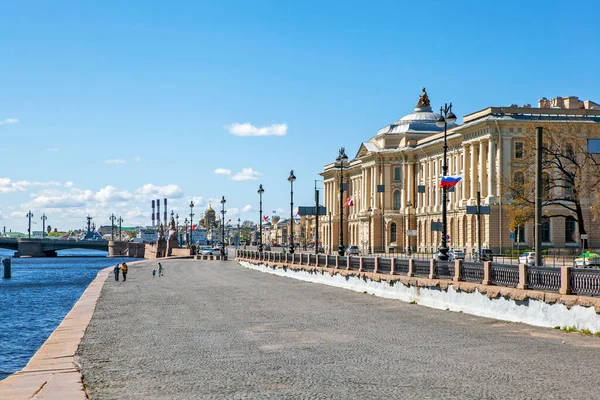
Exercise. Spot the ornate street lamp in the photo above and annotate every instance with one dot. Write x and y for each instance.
(407, 245)
(185, 230)
(44, 218)
(177, 227)
(291, 179)
(223, 201)
(189, 242)
(446, 117)
(340, 159)
(120, 221)
(29, 215)
(370, 211)
(260, 193)
(112, 226)
(238, 235)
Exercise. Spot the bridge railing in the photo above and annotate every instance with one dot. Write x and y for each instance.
(564, 280)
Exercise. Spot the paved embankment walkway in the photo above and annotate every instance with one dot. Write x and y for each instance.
(213, 330)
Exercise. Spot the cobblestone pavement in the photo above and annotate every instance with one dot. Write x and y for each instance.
(216, 330)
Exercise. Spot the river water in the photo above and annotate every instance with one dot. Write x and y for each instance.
(37, 298)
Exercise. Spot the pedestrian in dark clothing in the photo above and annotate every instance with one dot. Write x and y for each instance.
(116, 271)
(124, 271)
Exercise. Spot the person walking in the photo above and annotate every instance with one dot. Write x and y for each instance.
(124, 271)
(160, 269)
(116, 271)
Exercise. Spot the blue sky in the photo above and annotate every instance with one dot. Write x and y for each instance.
(107, 105)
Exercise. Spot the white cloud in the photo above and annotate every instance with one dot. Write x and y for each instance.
(246, 174)
(171, 191)
(115, 161)
(8, 186)
(7, 121)
(248, 208)
(110, 193)
(247, 129)
(69, 184)
(222, 171)
(75, 198)
(233, 211)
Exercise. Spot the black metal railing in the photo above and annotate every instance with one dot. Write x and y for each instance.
(540, 278)
(296, 258)
(421, 268)
(471, 272)
(331, 262)
(342, 263)
(401, 267)
(585, 281)
(368, 264)
(312, 259)
(354, 263)
(385, 266)
(504, 275)
(444, 269)
(322, 259)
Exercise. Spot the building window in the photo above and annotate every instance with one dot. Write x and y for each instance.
(393, 232)
(518, 149)
(396, 199)
(546, 230)
(397, 173)
(545, 186)
(570, 230)
(569, 186)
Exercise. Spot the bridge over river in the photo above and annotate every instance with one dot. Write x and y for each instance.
(48, 247)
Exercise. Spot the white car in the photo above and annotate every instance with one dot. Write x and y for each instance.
(208, 251)
(528, 258)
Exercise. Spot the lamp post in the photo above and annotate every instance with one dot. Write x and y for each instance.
(29, 215)
(185, 230)
(291, 179)
(260, 217)
(120, 221)
(223, 201)
(407, 246)
(44, 218)
(370, 211)
(112, 226)
(446, 117)
(238, 235)
(340, 163)
(177, 227)
(189, 242)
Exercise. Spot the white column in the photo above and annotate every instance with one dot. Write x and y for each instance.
(481, 168)
(473, 191)
(491, 184)
(466, 172)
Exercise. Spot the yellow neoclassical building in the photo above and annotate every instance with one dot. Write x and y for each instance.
(394, 181)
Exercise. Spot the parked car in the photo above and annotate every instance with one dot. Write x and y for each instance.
(528, 258)
(266, 247)
(352, 251)
(209, 251)
(456, 255)
(486, 255)
(587, 259)
(321, 249)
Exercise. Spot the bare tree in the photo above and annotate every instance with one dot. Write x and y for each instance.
(570, 176)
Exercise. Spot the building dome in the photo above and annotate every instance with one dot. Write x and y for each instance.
(420, 122)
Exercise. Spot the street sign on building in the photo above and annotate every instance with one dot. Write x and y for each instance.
(584, 237)
(411, 232)
(303, 210)
(482, 210)
(593, 146)
(436, 226)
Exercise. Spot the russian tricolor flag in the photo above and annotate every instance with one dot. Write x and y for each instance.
(349, 202)
(266, 218)
(450, 181)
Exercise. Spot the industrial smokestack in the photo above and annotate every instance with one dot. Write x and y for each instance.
(153, 215)
(165, 213)
(157, 212)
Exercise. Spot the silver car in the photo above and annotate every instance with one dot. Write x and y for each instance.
(352, 251)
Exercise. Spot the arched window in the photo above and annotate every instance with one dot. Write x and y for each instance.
(393, 232)
(570, 230)
(396, 199)
(546, 230)
(518, 184)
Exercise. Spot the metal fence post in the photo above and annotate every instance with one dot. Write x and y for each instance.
(411, 268)
(522, 277)
(432, 274)
(487, 273)
(565, 279)
(393, 267)
(458, 266)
